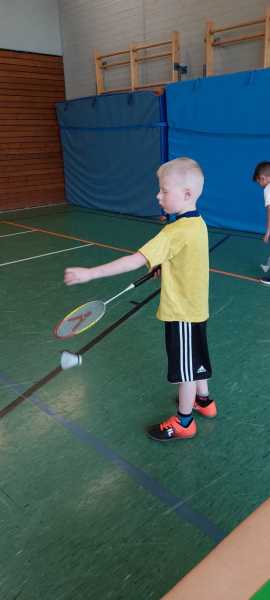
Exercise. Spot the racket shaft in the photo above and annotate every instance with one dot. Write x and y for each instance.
(133, 285)
(127, 289)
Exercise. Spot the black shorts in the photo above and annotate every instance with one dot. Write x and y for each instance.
(187, 351)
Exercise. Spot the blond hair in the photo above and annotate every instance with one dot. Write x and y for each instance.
(187, 171)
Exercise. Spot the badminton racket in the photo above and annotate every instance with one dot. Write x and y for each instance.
(86, 315)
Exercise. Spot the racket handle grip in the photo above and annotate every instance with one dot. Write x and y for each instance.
(145, 277)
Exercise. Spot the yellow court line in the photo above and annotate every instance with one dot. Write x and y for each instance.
(118, 249)
(66, 236)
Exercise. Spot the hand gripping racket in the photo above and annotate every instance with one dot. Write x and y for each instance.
(85, 316)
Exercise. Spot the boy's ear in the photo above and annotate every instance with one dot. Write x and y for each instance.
(187, 194)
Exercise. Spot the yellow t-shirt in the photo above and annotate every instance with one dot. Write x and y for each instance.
(182, 250)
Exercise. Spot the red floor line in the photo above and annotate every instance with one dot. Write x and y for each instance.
(117, 248)
(65, 236)
(235, 275)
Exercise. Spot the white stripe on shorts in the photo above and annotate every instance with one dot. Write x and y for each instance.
(185, 339)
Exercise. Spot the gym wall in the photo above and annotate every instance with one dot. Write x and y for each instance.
(31, 82)
(110, 25)
(30, 25)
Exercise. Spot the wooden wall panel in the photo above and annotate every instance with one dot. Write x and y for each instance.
(31, 167)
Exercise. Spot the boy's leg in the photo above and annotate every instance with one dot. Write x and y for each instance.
(202, 387)
(186, 400)
(188, 358)
(203, 404)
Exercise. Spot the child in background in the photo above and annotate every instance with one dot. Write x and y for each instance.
(262, 176)
(181, 248)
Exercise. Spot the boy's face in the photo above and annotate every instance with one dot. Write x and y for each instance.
(263, 180)
(173, 197)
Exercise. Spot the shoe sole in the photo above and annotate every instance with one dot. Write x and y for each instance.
(172, 439)
(264, 282)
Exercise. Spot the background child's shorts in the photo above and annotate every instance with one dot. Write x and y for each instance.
(187, 351)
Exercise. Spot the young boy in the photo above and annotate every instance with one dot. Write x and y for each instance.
(181, 248)
(262, 176)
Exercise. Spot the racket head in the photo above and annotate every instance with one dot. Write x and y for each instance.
(80, 319)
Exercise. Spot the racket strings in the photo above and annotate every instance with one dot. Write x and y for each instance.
(84, 317)
(79, 319)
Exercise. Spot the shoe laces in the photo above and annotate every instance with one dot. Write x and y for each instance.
(168, 423)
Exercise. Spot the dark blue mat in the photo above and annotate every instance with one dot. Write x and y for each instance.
(112, 147)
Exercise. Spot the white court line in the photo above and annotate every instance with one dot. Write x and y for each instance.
(18, 233)
(13, 262)
(15, 210)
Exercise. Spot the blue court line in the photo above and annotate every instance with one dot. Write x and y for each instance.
(234, 233)
(176, 503)
(226, 237)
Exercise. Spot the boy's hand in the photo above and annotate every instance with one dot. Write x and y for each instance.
(266, 236)
(76, 275)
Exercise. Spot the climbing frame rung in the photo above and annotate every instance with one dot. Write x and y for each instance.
(211, 41)
(137, 55)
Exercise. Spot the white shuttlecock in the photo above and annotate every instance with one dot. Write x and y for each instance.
(265, 268)
(69, 360)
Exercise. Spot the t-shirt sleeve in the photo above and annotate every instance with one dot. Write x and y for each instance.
(267, 195)
(159, 249)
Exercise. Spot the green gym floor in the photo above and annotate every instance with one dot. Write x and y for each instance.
(90, 507)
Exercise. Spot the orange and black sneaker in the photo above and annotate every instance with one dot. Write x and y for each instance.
(172, 430)
(205, 407)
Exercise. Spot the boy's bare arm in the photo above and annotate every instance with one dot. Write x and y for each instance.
(131, 262)
(267, 233)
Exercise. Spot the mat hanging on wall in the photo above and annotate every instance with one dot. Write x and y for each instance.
(112, 147)
(224, 123)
